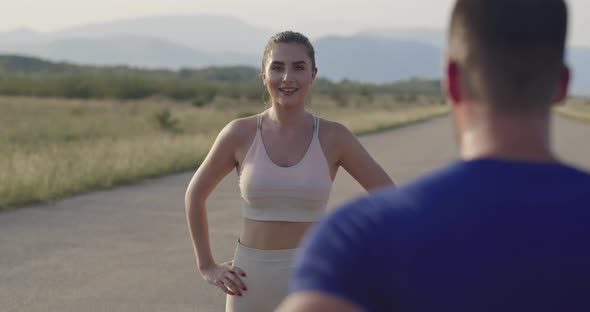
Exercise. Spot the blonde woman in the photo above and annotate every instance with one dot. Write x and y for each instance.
(286, 159)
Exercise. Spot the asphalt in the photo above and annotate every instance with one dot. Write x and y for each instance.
(128, 249)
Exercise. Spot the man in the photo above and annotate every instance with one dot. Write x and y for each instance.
(507, 227)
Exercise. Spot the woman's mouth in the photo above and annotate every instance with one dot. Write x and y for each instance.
(288, 91)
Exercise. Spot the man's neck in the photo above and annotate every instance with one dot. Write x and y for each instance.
(512, 138)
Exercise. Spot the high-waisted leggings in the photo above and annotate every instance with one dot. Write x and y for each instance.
(267, 279)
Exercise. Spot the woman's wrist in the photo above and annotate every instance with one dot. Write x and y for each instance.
(204, 265)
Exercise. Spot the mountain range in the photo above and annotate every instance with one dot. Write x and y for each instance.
(196, 41)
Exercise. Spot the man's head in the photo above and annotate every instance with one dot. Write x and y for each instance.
(507, 54)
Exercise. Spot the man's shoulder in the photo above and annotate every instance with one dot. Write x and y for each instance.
(458, 185)
(404, 201)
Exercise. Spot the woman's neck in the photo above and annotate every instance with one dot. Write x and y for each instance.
(286, 117)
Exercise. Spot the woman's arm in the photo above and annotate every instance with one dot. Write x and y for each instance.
(353, 157)
(218, 163)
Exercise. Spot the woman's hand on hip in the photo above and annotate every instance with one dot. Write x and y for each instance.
(226, 277)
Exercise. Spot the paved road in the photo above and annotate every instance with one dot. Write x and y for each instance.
(127, 249)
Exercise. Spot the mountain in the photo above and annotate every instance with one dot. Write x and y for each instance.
(129, 50)
(21, 36)
(205, 33)
(161, 41)
(435, 37)
(578, 58)
(376, 59)
(372, 55)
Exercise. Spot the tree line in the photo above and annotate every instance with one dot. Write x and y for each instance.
(28, 76)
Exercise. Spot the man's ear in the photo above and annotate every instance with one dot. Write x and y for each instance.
(563, 86)
(452, 82)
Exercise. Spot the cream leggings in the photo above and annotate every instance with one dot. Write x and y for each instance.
(267, 279)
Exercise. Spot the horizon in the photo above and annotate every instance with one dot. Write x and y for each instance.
(321, 20)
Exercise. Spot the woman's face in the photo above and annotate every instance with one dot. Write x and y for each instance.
(288, 74)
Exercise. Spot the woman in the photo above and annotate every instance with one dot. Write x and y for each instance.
(286, 160)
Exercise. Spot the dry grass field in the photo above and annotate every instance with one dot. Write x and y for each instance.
(52, 148)
(577, 108)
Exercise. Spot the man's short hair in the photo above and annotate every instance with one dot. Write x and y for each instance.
(511, 52)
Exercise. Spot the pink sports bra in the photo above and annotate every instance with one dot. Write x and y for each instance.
(298, 193)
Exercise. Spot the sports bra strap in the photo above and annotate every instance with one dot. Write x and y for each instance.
(259, 121)
(316, 127)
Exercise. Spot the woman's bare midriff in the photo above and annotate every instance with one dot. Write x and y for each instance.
(269, 235)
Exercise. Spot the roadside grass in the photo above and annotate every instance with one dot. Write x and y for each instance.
(576, 108)
(54, 148)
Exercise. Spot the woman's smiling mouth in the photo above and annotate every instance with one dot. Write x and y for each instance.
(288, 91)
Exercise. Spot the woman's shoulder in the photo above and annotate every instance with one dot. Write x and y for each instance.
(240, 129)
(334, 138)
(333, 129)
(243, 124)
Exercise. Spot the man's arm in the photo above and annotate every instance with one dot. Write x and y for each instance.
(313, 301)
(337, 267)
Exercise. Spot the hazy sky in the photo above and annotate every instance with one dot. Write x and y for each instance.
(314, 17)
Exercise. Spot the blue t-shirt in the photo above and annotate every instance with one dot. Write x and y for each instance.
(481, 235)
